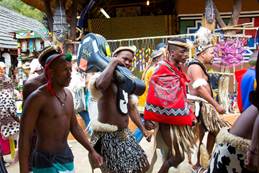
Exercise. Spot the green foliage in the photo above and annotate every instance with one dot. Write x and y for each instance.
(22, 8)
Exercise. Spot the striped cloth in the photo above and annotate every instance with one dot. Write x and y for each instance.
(60, 162)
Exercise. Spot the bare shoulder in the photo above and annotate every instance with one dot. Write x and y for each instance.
(29, 84)
(194, 67)
(68, 92)
(29, 87)
(37, 97)
(195, 71)
(69, 95)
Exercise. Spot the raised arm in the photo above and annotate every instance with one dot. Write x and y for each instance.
(29, 118)
(195, 73)
(105, 78)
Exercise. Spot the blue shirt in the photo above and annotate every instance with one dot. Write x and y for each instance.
(247, 85)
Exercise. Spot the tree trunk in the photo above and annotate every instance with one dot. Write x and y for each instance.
(219, 19)
(49, 15)
(234, 17)
(73, 20)
(235, 13)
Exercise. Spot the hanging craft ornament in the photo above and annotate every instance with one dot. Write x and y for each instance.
(60, 26)
(209, 12)
(229, 52)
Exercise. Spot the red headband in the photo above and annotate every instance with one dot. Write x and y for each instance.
(49, 61)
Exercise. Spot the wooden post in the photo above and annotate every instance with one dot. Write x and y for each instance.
(73, 21)
(49, 15)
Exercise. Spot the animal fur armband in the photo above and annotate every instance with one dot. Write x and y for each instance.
(133, 100)
(198, 83)
(95, 93)
(103, 127)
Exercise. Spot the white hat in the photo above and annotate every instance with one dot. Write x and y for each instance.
(121, 48)
(156, 53)
(179, 42)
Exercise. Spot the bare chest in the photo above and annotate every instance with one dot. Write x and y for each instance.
(56, 109)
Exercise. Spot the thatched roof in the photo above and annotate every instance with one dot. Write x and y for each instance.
(11, 21)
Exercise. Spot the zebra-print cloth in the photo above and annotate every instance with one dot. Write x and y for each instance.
(121, 152)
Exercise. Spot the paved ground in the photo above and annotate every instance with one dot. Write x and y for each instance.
(81, 158)
(81, 155)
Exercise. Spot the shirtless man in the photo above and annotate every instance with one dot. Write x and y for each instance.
(49, 110)
(32, 84)
(111, 135)
(200, 86)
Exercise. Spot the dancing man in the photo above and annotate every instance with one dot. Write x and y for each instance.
(167, 109)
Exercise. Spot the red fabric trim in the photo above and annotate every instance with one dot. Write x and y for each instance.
(48, 74)
(239, 74)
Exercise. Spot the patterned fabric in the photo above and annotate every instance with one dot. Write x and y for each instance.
(166, 99)
(229, 154)
(5, 83)
(227, 158)
(168, 111)
(120, 151)
(53, 163)
(8, 125)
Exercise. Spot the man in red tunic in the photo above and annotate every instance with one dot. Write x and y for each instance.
(167, 106)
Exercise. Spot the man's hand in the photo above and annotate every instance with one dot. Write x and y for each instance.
(150, 125)
(119, 61)
(220, 109)
(251, 160)
(96, 158)
(148, 131)
(148, 134)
